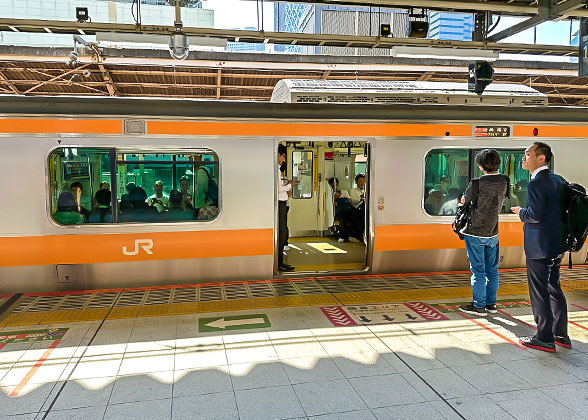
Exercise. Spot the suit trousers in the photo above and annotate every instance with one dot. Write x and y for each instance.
(282, 229)
(547, 299)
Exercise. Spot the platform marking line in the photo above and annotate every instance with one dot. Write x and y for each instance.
(581, 307)
(34, 369)
(2, 346)
(492, 331)
(578, 325)
(518, 320)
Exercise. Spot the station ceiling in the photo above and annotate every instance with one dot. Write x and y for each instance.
(233, 76)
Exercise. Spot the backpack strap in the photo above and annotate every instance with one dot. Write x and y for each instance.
(507, 186)
(475, 190)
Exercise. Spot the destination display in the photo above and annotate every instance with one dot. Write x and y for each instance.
(492, 131)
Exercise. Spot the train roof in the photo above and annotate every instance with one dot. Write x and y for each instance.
(403, 92)
(12, 106)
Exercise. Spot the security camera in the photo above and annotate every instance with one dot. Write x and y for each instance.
(73, 59)
(178, 45)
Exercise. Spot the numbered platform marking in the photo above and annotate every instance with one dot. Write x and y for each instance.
(389, 313)
(7, 337)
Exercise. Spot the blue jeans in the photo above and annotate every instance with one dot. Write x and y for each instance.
(483, 256)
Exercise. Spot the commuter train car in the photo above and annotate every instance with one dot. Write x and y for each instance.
(118, 192)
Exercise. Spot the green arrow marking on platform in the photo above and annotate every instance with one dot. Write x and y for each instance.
(239, 322)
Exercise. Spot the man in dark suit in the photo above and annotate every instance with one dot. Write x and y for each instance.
(544, 248)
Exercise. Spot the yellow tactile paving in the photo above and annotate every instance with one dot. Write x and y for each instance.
(321, 299)
(212, 306)
(90, 315)
(239, 304)
(153, 310)
(292, 301)
(183, 308)
(267, 302)
(452, 292)
(513, 289)
(354, 297)
(59, 316)
(123, 313)
(418, 294)
(31, 318)
(394, 295)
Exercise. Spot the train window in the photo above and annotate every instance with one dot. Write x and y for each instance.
(167, 187)
(79, 186)
(446, 176)
(510, 164)
(302, 173)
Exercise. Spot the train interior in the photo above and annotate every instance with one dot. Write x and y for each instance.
(327, 215)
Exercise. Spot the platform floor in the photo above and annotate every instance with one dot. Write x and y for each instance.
(354, 357)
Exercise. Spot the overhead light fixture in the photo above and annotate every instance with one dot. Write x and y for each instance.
(439, 52)
(418, 24)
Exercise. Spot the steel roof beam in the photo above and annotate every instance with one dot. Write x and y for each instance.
(91, 28)
(547, 14)
(449, 5)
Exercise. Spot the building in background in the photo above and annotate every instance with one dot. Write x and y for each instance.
(246, 46)
(287, 19)
(153, 12)
(360, 21)
(451, 26)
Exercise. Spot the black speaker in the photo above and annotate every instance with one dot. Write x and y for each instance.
(418, 29)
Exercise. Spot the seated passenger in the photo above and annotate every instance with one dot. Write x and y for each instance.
(159, 200)
(102, 212)
(186, 193)
(175, 210)
(105, 186)
(125, 203)
(449, 208)
(435, 200)
(357, 196)
(139, 210)
(66, 210)
(76, 189)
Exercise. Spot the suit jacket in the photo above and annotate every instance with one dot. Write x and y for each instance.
(543, 223)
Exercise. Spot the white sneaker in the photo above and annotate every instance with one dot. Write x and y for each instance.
(353, 240)
(340, 240)
(287, 248)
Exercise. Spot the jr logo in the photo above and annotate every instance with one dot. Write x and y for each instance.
(146, 244)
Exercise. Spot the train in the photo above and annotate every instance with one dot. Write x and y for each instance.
(108, 192)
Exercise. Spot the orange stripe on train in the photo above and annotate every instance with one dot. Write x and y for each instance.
(84, 249)
(54, 126)
(435, 236)
(305, 129)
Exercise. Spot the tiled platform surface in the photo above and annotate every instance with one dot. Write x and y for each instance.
(301, 367)
(36, 309)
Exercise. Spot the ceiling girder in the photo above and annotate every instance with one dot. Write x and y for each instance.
(90, 28)
(450, 5)
(548, 10)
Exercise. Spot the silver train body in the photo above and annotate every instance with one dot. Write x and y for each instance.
(38, 254)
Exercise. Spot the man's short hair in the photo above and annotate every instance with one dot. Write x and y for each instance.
(489, 159)
(543, 149)
(77, 185)
(158, 182)
(359, 176)
(282, 150)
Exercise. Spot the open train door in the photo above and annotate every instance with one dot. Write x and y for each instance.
(328, 207)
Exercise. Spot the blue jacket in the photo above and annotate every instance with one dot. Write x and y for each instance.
(543, 225)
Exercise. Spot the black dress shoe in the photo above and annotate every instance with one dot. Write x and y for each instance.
(534, 343)
(284, 267)
(471, 309)
(563, 341)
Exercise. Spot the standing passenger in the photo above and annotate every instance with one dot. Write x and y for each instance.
(283, 187)
(544, 249)
(481, 236)
(357, 197)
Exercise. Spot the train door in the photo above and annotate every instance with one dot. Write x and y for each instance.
(327, 215)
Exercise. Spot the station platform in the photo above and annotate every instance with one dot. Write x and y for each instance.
(341, 347)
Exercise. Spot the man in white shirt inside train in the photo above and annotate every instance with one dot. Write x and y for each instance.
(357, 197)
(283, 187)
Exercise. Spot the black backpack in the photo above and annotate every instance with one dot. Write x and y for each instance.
(575, 218)
(212, 190)
(463, 216)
